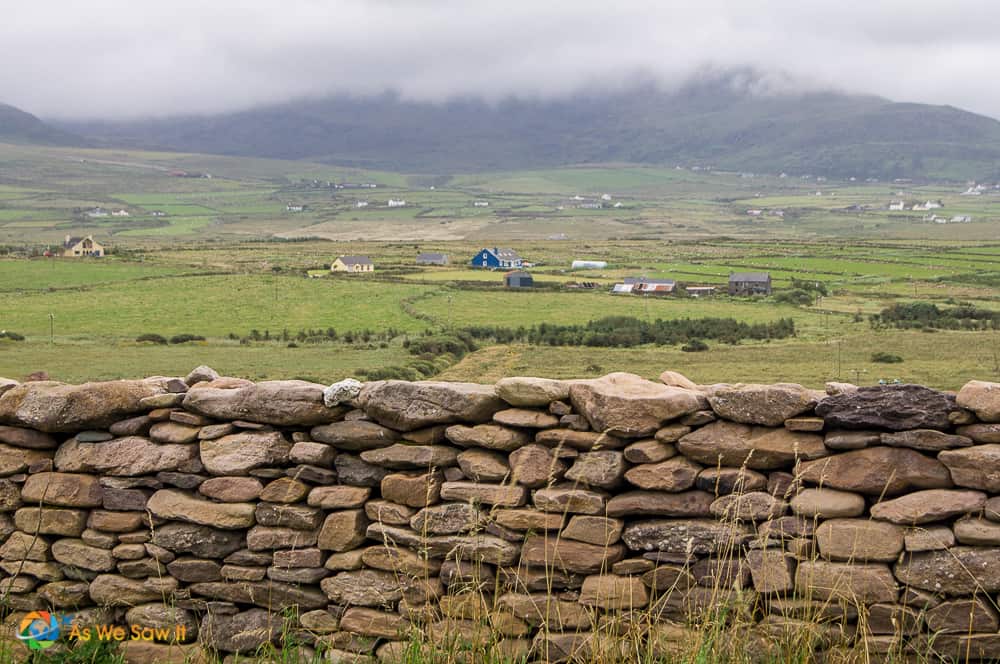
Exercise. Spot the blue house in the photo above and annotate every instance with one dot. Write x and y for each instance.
(496, 259)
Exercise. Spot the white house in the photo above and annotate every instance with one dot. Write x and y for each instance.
(361, 204)
(755, 213)
(120, 213)
(481, 203)
(97, 212)
(897, 205)
(588, 265)
(394, 203)
(294, 208)
(605, 197)
(961, 219)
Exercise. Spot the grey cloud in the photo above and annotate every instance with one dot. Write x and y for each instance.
(121, 58)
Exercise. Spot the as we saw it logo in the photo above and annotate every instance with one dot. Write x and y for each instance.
(40, 629)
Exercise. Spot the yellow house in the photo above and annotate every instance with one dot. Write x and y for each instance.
(352, 264)
(82, 246)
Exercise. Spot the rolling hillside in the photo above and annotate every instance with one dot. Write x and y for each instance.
(17, 126)
(712, 123)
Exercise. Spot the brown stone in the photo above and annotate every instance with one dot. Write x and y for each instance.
(597, 530)
(928, 506)
(813, 424)
(578, 440)
(393, 514)
(528, 519)
(298, 517)
(976, 467)
(63, 489)
(25, 546)
(231, 489)
(931, 538)
(982, 398)
(568, 555)
(649, 451)
(50, 521)
(15, 460)
(30, 438)
(859, 540)
(827, 504)
(655, 503)
(528, 419)
(406, 406)
(370, 622)
(343, 530)
(772, 570)
(489, 436)
(277, 402)
(113, 590)
(338, 497)
(963, 616)
(752, 506)
(928, 440)
(613, 593)
(284, 490)
(723, 481)
(239, 453)
(759, 448)
(602, 469)
(403, 456)
(528, 392)
(977, 532)
(367, 587)
(981, 433)
(769, 405)
(412, 489)
(201, 541)
(173, 433)
(877, 471)
(126, 457)
(852, 582)
(447, 519)
(626, 405)
(315, 454)
(195, 570)
(535, 466)
(244, 632)
(483, 466)
(77, 553)
(573, 501)
(56, 407)
(851, 440)
(177, 505)
(673, 475)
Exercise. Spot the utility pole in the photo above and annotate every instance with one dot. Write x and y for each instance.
(52, 328)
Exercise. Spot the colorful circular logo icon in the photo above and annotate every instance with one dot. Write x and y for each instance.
(39, 630)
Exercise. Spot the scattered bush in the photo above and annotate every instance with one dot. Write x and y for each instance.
(152, 338)
(184, 338)
(886, 358)
(695, 346)
(796, 296)
(13, 336)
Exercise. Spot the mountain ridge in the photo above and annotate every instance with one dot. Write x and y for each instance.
(712, 122)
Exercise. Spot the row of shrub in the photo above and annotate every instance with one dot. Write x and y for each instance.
(11, 335)
(626, 331)
(161, 340)
(925, 315)
(434, 352)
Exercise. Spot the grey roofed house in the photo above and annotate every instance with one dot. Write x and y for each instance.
(518, 279)
(431, 258)
(749, 283)
(355, 260)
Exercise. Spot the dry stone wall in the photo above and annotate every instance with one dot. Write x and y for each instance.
(532, 518)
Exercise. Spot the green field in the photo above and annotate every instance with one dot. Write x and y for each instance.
(228, 259)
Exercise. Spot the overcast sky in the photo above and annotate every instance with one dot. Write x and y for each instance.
(121, 58)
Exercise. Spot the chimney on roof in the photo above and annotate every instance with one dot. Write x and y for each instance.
(68, 237)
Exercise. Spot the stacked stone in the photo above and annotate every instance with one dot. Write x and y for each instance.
(534, 518)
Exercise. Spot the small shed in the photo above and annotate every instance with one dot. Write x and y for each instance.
(431, 258)
(518, 279)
